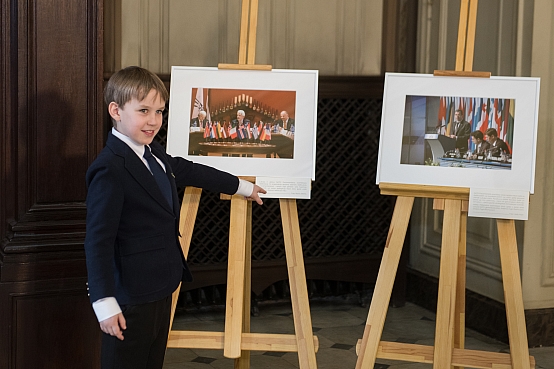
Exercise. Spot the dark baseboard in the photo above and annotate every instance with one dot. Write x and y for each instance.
(361, 268)
(483, 314)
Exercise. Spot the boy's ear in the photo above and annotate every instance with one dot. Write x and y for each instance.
(113, 109)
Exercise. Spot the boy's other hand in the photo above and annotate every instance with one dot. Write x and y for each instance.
(114, 326)
(254, 195)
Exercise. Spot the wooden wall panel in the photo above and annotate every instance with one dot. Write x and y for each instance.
(60, 336)
(51, 128)
(60, 108)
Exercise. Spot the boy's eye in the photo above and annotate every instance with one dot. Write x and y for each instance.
(159, 111)
(143, 110)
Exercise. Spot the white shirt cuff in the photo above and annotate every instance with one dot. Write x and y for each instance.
(245, 188)
(106, 308)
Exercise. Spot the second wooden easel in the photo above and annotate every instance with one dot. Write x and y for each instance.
(448, 349)
(237, 341)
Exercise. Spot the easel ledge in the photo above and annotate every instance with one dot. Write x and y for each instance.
(461, 73)
(428, 191)
(261, 67)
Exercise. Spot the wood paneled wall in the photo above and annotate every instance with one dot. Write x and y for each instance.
(51, 129)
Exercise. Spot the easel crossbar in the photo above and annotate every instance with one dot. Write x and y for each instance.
(427, 191)
(249, 341)
(460, 357)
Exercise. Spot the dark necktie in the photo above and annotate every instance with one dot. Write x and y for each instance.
(159, 175)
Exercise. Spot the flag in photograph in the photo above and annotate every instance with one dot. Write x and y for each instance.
(469, 110)
(249, 130)
(449, 117)
(214, 131)
(255, 132)
(484, 123)
(260, 127)
(262, 135)
(233, 132)
(219, 130)
(441, 124)
(499, 106)
(476, 114)
(198, 103)
(509, 117)
(207, 106)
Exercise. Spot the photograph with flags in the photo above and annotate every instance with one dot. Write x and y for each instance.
(242, 123)
(248, 123)
(459, 131)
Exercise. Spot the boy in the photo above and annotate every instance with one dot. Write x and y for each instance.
(134, 259)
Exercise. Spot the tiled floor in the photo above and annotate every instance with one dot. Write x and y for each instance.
(338, 323)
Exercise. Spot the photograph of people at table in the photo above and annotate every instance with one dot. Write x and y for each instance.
(460, 132)
(242, 123)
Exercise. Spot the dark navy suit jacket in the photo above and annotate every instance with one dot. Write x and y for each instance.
(132, 245)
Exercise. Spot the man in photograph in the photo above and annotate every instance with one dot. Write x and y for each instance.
(241, 121)
(481, 146)
(497, 145)
(200, 120)
(460, 131)
(285, 122)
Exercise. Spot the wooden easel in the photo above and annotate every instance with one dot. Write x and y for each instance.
(448, 349)
(237, 341)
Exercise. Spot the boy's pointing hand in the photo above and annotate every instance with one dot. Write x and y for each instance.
(255, 194)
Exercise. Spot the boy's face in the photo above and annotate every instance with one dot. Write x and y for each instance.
(139, 120)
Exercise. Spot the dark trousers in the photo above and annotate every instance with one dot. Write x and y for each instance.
(145, 338)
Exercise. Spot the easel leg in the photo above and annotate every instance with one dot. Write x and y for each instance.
(243, 362)
(189, 209)
(460, 312)
(385, 282)
(444, 330)
(235, 278)
(509, 260)
(298, 286)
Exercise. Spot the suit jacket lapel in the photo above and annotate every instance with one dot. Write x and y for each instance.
(139, 171)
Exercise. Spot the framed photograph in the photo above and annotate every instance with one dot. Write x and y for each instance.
(249, 123)
(459, 131)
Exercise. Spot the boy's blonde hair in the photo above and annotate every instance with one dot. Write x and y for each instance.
(133, 83)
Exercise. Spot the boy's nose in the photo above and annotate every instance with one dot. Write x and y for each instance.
(154, 120)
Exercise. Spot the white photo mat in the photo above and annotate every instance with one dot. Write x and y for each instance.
(304, 82)
(525, 92)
